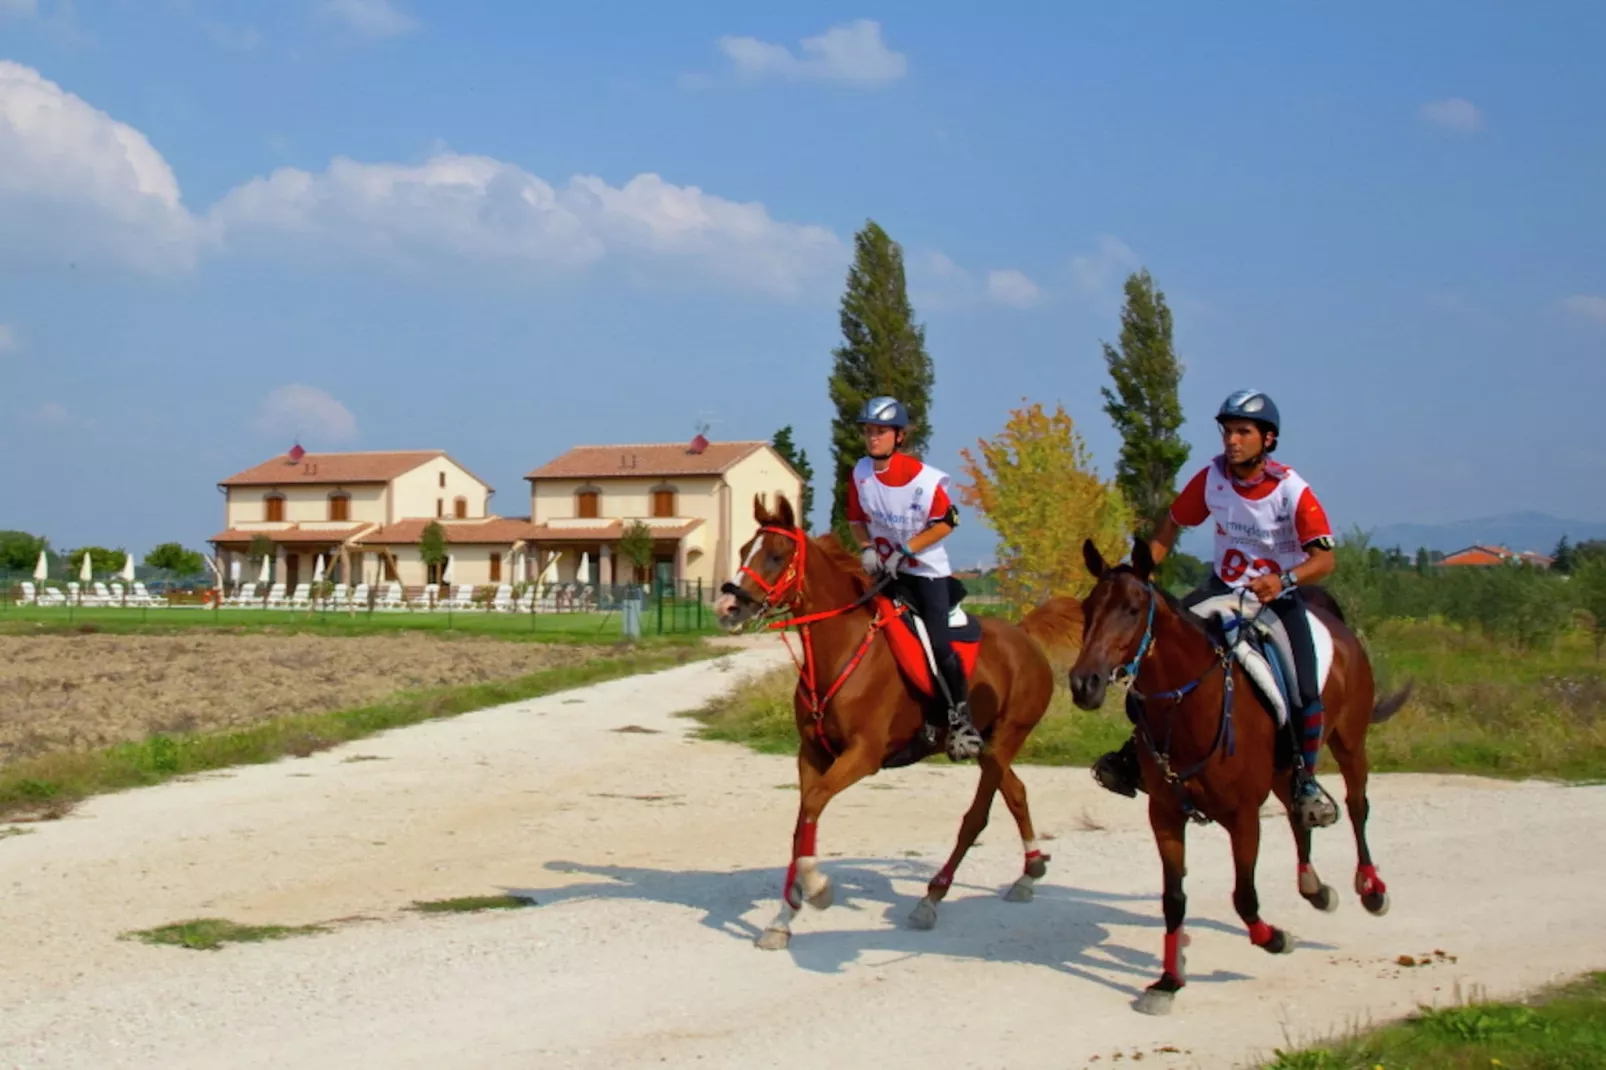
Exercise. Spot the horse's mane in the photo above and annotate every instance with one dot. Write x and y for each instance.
(1209, 629)
(831, 548)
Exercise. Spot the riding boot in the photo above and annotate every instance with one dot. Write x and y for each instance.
(1118, 770)
(963, 739)
(1316, 808)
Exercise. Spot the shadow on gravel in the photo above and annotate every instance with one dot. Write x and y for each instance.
(1064, 929)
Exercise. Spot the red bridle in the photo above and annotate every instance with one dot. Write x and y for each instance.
(780, 593)
(785, 593)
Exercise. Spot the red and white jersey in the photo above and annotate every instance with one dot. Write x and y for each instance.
(898, 504)
(1261, 528)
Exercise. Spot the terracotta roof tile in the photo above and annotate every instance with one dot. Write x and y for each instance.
(645, 461)
(356, 467)
(496, 530)
(291, 534)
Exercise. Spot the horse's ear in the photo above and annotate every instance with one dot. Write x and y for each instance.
(784, 515)
(1093, 559)
(761, 512)
(1142, 559)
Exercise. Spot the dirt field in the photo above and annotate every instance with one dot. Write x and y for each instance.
(61, 691)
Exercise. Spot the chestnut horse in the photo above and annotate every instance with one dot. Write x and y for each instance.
(1209, 744)
(857, 710)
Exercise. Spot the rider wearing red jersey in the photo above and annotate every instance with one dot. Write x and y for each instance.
(899, 510)
(1272, 537)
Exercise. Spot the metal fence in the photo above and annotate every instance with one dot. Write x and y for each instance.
(658, 608)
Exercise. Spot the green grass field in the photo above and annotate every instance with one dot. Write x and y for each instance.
(1478, 708)
(1561, 1028)
(544, 627)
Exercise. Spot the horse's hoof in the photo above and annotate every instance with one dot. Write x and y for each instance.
(1021, 891)
(1281, 943)
(1376, 905)
(823, 897)
(774, 939)
(1155, 1002)
(924, 915)
(1325, 900)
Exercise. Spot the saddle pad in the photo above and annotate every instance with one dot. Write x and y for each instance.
(1230, 608)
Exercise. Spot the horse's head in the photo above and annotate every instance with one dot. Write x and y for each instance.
(1118, 616)
(771, 574)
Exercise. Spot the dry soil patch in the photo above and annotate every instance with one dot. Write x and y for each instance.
(73, 691)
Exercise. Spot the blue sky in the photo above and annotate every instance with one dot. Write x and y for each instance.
(503, 228)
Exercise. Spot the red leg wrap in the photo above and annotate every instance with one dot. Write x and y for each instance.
(1371, 883)
(1260, 933)
(791, 883)
(1304, 868)
(805, 840)
(1173, 957)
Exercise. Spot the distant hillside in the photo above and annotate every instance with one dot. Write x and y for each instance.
(1515, 531)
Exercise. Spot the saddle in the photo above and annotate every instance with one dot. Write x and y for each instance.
(911, 645)
(1260, 644)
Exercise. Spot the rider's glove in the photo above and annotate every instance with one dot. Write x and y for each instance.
(871, 560)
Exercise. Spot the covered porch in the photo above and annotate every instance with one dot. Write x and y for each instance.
(588, 554)
(294, 559)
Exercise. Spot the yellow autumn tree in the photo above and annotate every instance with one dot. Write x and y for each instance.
(1036, 485)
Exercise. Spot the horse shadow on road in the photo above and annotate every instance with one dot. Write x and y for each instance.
(1064, 928)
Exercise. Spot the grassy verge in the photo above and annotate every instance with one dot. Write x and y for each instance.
(1562, 1028)
(50, 784)
(210, 934)
(542, 627)
(1478, 708)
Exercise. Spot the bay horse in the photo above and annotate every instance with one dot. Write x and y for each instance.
(1208, 743)
(863, 690)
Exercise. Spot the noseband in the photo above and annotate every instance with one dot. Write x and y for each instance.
(787, 588)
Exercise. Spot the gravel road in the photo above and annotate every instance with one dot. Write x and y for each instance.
(655, 860)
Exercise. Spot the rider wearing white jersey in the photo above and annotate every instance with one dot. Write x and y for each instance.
(899, 510)
(1272, 537)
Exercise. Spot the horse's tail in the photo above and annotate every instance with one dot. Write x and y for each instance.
(1388, 707)
(1056, 625)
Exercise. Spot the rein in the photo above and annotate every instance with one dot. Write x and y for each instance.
(1161, 752)
(785, 595)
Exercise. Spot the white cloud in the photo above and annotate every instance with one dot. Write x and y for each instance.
(1012, 288)
(937, 283)
(51, 414)
(478, 209)
(1095, 272)
(1586, 306)
(8, 339)
(852, 53)
(371, 18)
(20, 8)
(306, 411)
(78, 184)
(238, 38)
(1453, 113)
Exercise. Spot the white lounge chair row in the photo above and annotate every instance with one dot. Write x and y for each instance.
(99, 594)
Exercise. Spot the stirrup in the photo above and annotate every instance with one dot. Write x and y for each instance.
(1312, 802)
(964, 741)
